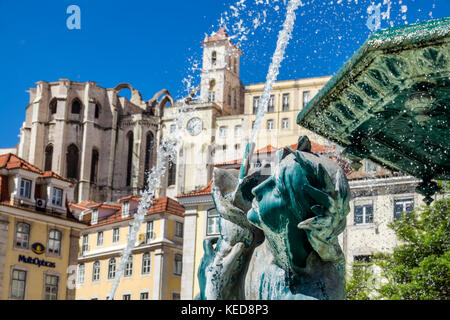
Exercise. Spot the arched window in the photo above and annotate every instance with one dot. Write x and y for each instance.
(94, 166)
(76, 106)
(53, 106)
(214, 58)
(130, 157)
(97, 110)
(235, 65)
(148, 156)
(72, 162)
(54, 242)
(48, 158)
(96, 271)
(172, 174)
(112, 268)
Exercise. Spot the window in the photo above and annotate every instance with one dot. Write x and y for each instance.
(22, 235)
(97, 111)
(271, 106)
(178, 263)
(306, 97)
(94, 219)
(96, 271)
(85, 244)
(149, 232)
(285, 124)
(270, 125)
(53, 106)
(211, 96)
(116, 235)
(404, 205)
(214, 58)
(81, 273)
(149, 155)
(51, 287)
(237, 146)
(72, 162)
(57, 197)
(94, 166)
(212, 222)
(111, 268)
(25, 188)
(173, 128)
(171, 180)
(129, 267)
(235, 65)
(255, 104)
(76, 107)
(126, 297)
(18, 283)
(235, 99)
(144, 296)
(146, 263)
(175, 296)
(48, 158)
(286, 100)
(130, 157)
(223, 131)
(253, 124)
(238, 131)
(229, 97)
(54, 242)
(363, 214)
(178, 229)
(99, 239)
(126, 209)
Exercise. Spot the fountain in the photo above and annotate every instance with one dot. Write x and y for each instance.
(390, 103)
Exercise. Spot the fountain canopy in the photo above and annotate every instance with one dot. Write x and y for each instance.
(390, 103)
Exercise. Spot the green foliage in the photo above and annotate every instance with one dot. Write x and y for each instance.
(419, 269)
(361, 284)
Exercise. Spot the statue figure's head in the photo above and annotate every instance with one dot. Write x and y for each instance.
(304, 185)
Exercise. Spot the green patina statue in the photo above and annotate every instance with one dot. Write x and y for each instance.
(278, 236)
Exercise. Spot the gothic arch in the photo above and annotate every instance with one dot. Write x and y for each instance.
(130, 142)
(48, 157)
(158, 106)
(94, 165)
(76, 106)
(149, 153)
(135, 94)
(72, 162)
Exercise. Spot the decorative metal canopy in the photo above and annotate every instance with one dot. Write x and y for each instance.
(390, 103)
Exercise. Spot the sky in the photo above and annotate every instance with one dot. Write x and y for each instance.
(155, 45)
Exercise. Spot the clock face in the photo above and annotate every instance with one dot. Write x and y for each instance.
(194, 126)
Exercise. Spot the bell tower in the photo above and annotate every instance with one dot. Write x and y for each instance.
(220, 82)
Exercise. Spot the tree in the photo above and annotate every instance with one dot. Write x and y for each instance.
(419, 269)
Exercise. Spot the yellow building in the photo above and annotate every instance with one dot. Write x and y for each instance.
(154, 269)
(38, 235)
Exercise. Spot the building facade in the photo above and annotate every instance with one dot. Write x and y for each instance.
(38, 235)
(154, 269)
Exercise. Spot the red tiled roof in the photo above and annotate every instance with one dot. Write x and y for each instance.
(10, 161)
(205, 191)
(51, 174)
(315, 147)
(160, 205)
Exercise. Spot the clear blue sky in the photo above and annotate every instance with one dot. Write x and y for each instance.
(150, 44)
